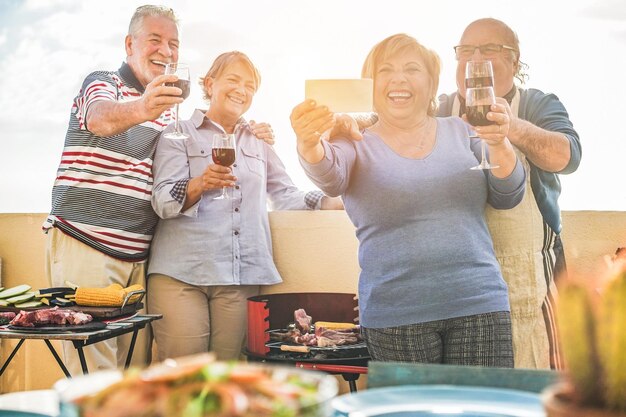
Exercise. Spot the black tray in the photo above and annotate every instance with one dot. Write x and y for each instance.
(98, 313)
(87, 327)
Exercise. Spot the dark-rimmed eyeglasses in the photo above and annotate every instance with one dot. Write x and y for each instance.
(487, 50)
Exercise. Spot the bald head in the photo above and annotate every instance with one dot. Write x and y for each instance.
(506, 63)
(496, 29)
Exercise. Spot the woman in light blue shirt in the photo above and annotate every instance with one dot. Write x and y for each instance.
(208, 256)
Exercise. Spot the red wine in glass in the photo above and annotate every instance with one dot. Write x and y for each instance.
(223, 154)
(478, 82)
(478, 74)
(478, 103)
(477, 115)
(184, 85)
(182, 72)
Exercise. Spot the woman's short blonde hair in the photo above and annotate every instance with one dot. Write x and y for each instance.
(400, 43)
(223, 61)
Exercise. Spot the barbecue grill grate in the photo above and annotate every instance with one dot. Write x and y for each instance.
(360, 345)
(269, 312)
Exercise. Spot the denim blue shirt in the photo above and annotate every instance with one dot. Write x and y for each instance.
(547, 112)
(219, 242)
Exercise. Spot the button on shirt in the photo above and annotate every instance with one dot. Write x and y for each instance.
(219, 242)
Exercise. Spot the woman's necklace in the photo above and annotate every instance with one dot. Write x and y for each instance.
(422, 131)
(425, 135)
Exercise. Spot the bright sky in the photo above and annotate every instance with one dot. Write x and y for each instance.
(575, 48)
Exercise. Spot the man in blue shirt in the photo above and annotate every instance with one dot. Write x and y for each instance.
(527, 238)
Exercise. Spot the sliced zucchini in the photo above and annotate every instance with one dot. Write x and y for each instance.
(22, 298)
(29, 304)
(4, 303)
(13, 291)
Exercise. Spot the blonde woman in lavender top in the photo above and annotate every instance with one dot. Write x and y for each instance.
(430, 288)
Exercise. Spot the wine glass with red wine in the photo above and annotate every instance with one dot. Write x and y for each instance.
(478, 103)
(184, 83)
(223, 154)
(478, 74)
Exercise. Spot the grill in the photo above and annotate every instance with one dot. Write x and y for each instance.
(273, 312)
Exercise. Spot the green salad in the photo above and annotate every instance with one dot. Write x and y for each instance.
(197, 386)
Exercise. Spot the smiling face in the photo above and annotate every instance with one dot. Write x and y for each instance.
(151, 46)
(402, 87)
(231, 92)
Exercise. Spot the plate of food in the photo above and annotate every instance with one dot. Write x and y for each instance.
(35, 403)
(18, 413)
(198, 386)
(437, 400)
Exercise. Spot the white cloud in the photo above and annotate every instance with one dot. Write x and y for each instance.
(48, 5)
(612, 10)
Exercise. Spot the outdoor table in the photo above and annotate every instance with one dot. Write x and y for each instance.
(388, 374)
(81, 339)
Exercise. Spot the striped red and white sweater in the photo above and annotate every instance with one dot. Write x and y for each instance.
(101, 194)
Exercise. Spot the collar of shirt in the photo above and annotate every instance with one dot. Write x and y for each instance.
(129, 76)
(199, 117)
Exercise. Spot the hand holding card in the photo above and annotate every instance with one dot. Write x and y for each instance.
(341, 95)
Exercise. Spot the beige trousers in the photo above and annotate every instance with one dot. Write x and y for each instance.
(71, 260)
(198, 318)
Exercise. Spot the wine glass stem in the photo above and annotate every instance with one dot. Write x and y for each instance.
(483, 151)
(176, 120)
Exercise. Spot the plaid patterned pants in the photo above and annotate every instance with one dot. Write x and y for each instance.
(479, 340)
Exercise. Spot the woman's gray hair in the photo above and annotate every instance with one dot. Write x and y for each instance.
(150, 10)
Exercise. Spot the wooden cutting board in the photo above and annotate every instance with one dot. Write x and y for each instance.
(108, 312)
